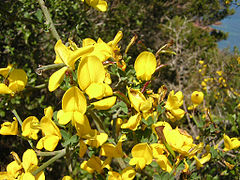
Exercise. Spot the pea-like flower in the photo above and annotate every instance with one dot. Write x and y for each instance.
(15, 80)
(142, 155)
(128, 173)
(230, 143)
(68, 57)
(174, 101)
(197, 97)
(95, 164)
(18, 169)
(30, 127)
(9, 128)
(100, 5)
(74, 105)
(50, 131)
(145, 65)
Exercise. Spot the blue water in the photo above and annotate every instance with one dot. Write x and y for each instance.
(230, 24)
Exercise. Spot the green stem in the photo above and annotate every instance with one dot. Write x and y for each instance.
(50, 161)
(49, 19)
(40, 153)
(48, 67)
(17, 116)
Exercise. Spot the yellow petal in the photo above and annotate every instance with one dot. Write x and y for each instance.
(136, 98)
(68, 56)
(17, 80)
(8, 128)
(95, 163)
(64, 117)
(74, 100)
(98, 140)
(105, 104)
(5, 71)
(157, 149)
(132, 123)
(197, 97)
(50, 142)
(110, 150)
(83, 148)
(143, 150)
(14, 168)
(128, 173)
(164, 163)
(112, 175)
(48, 112)
(67, 178)
(49, 127)
(88, 42)
(29, 158)
(86, 167)
(145, 65)
(56, 79)
(30, 127)
(28, 176)
(102, 6)
(95, 90)
(116, 39)
(4, 89)
(40, 144)
(83, 127)
(90, 70)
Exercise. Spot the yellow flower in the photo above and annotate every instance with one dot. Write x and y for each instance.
(68, 57)
(97, 140)
(230, 143)
(15, 80)
(133, 122)
(95, 164)
(142, 155)
(51, 133)
(145, 65)
(74, 106)
(219, 73)
(100, 5)
(164, 163)
(158, 149)
(30, 127)
(22, 170)
(197, 97)
(238, 59)
(204, 159)
(136, 98)
(8, 128)
(111, 150)
(105, 104)
(127, 174)
(180, 141)
(67, 178)
(91, 76)
(172, 105)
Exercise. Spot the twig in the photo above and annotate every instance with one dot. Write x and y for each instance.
(189, 121)
(49, 19)
(50, 161)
